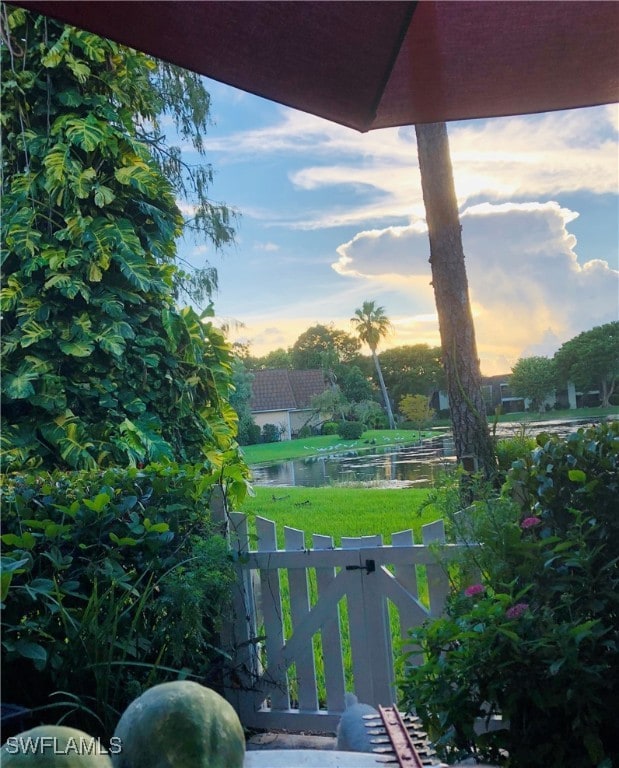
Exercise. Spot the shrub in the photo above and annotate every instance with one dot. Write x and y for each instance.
(305, 431)
(330, 428)
(510, 449)
(350, 430)
(271, 433)
(249, 431)
(537, 639)
(111, 582)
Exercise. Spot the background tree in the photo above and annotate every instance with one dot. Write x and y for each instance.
(591, 360)
(416, 409)
(412, 370)
(277, 358)
(354, 383)
(533, 378)
(248, 430)
(322, 346)
(100, 367)
(372, 325)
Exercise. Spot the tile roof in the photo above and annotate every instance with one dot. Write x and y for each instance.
(285, 390)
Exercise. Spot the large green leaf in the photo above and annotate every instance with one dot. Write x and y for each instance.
(22, 236)
(103, 196)
(84, 182)
(18, 385)
(75, 448)
(86, 133)
(77, 348)
(33, 332)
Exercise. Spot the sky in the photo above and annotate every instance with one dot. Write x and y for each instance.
(329, 218)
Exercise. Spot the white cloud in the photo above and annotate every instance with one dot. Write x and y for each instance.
(266, 247)
(525, 281)
(531, 156)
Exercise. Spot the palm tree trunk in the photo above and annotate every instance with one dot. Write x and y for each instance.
(474, 447)
(383, 389)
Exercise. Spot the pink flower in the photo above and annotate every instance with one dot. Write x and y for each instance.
(530, 522)
(474, 589)
(516, 611)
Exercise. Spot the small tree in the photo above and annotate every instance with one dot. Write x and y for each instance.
(331, 404)
(591, 360)
(533, 378)
(416, 408)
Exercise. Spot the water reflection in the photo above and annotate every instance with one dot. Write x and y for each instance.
(395, 465)
(391, 466)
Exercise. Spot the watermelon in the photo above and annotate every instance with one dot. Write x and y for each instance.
(54, 746)
(180, 724)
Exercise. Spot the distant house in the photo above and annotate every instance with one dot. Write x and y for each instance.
(283, 397)
(497, 393)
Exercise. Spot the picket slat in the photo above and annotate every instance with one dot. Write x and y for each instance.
(438, 583)
(330, 634)
(299, 608)
(275, 674)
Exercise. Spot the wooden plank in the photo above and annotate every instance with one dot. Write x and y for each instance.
(274, 677)
(360, 643)
(241, 634)
(417, 554)
(330, 634)
(299, 608)
(376, 614)
(438, 582)
(406, 577)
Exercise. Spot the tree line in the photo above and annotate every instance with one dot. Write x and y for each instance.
(411, 374)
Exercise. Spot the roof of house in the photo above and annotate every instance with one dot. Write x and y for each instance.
(284, 390)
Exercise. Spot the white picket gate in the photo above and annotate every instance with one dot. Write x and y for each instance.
(370, 577)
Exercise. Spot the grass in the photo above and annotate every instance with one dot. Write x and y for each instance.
(340, 511)
(311, 446)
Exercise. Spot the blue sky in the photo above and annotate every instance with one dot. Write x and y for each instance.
(330, 218)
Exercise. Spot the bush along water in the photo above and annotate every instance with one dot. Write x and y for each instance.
(112, 581)
(534, 637)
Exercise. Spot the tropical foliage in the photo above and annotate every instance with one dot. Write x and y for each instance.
(100, 367)
(112, 581)
(536, 640)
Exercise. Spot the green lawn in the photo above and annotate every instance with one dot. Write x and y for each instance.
(310, 446)
(341, 512)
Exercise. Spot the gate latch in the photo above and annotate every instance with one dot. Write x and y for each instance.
(369, 567)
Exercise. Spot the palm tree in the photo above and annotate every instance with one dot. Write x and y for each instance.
(372, 325)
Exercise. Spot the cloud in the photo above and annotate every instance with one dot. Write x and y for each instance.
(526, 157)
(266, 247)
(525, 280)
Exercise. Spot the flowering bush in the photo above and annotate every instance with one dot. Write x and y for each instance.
(537, 639)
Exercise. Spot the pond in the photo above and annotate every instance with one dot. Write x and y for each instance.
(394, 465)
(391, 466)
